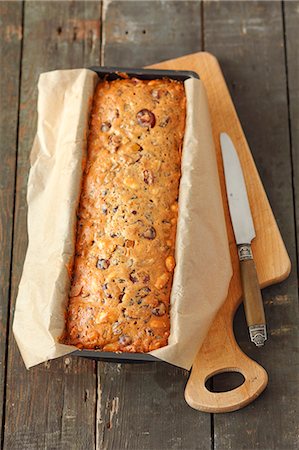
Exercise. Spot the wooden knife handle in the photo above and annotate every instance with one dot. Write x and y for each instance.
(253, 302)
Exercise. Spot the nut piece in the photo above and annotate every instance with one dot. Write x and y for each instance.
(157, 323)
(131, 183)
(113, 347)
(162, 280)
(135, 147)
(146, 118)
(170, 263)
(101, 317)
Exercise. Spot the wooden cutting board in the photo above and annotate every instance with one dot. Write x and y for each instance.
(220, 352)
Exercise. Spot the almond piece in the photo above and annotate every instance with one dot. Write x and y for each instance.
(170, 263)
(131, 183)
(162, 280)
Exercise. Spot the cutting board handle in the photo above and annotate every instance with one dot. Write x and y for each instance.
(230, 359)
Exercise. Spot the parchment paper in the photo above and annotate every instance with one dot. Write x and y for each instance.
(203, 269)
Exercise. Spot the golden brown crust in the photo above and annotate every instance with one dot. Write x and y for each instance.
(122, 276)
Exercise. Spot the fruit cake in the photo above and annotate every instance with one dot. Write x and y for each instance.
(125, 245)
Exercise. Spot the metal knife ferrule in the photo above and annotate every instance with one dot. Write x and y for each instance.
(245, 252)
(258, 334)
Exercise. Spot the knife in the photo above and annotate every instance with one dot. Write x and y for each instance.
(244, 233)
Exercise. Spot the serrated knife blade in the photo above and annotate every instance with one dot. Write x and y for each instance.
(244, 232)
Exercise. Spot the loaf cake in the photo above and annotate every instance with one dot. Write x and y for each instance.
(124, 258)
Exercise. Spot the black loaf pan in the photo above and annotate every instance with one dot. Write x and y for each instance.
(114, 73)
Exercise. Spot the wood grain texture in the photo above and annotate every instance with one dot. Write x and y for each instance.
(291, 22)
(53, 405)
(142, 407)
(136, 33)
(132, 397)
(10, 58)
(251, 54)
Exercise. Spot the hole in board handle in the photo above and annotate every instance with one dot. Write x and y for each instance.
(224, 381)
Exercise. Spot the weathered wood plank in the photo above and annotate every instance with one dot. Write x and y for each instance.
(10, 57)
(291, 13)
(247, 37)
(137, 33)
(141, 406)
(53, 405)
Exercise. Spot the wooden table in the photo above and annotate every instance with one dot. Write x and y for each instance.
(73, 403)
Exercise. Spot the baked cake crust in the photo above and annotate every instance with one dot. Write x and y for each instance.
(124, 257)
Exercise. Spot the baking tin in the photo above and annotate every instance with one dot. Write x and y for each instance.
(114, 73)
